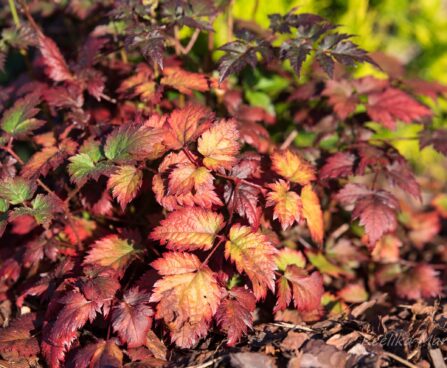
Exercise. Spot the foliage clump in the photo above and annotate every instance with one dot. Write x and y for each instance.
(145, 198)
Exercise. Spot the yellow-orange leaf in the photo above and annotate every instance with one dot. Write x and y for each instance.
(253, 254)
(287, 204)
(220, 145)
(187, 297)
(125, 183)
(189, 228)
(292, 167)
(110, 251)
(312, 213)
(186, 124)
(184, 81)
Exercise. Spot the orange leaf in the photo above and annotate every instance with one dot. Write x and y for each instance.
(312, 213)
(125, 183)
(187, 297)
(287, 204)
(253, 254)
(185, 125)
(184, 81)
(110, 251)
(189, 229)
(292, 167)
(180, 183)
(220, 145)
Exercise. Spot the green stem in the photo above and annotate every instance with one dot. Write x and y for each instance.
(15, 16)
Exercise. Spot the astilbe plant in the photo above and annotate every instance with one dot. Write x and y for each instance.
(142, 199)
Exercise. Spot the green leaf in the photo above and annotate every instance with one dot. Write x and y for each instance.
(16, 190)
(19, 120)
(132, 142)
(43, 209)
(4, 205)
(93, 149)
(83, 167)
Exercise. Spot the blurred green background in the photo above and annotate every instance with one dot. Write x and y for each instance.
(413, 31)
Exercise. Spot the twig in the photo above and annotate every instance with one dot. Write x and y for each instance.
(304, 242)
(437, 358)
(397, 358)
(293, 326)
(289, 139)
(177, 44)
(191, 42)
(207, 364)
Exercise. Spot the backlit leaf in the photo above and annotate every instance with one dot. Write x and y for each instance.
(219, 145)
(56, 66)
(137, 142)
(186, 124)
(180, 183)
(392, 105)
(312, 213)
(375, 209)
(16, 190)
(287, 256)
(110, 251)
(287, 204)
(189, 229)
(338, 165)
(125, 184)
(183, 81)
(253, 254)
(292, 167)
(307, 290)
(187, 299)
(20, 119)
(83, 167)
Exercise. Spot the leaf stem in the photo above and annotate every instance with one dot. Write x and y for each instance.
(15, 16)
(205, 262)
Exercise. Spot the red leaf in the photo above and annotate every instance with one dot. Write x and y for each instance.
(111, 251)
(243, 199)
(338, 165)
(312, 213)
(56, 66)
(132, 318)
(341, 97)
(375, 209)
(393, 105)
(234, 314)
(181, 184)
(125, 184)
(307, 290)
(98, 355)
(401, 176)
(419, 282)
